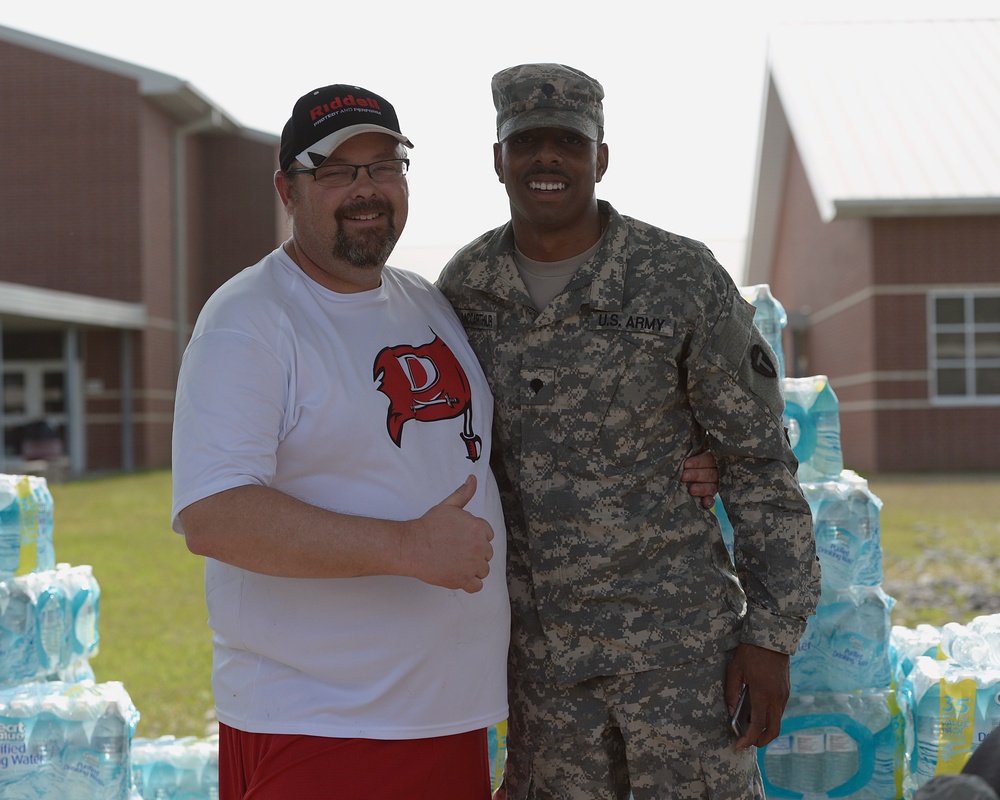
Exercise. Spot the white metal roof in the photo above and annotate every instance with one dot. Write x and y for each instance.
(889, 118)
(175, 96)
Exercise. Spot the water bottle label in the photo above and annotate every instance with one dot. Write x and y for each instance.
(497, 740)
(838, 742)
(782, 746)
(29, 526)
(808, 743)
(957, 709)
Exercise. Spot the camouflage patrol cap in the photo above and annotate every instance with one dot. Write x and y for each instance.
(547, 96)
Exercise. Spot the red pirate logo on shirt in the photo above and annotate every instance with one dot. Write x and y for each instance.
(425, 383)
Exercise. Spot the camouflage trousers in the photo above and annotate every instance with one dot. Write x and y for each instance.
(661, 735)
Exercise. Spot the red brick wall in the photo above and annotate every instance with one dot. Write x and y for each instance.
(239, 212)
(97, 218)
(863, 283)
(71, 148)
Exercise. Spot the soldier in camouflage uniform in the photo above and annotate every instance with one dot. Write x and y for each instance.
(615, 350)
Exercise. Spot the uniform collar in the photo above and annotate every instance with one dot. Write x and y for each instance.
(600, 283)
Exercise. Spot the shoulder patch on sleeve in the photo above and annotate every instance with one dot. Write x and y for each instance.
(732, 334)
(761, 363)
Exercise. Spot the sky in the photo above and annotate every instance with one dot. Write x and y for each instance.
(684, 84)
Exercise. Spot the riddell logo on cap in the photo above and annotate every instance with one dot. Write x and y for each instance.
(341, 102)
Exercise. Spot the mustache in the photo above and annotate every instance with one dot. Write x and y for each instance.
(548, 172)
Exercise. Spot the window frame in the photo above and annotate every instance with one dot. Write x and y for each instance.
(969, 362)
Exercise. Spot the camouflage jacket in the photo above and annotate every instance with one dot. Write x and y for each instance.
(647, 354)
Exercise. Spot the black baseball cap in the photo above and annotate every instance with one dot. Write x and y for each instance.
(325, 118)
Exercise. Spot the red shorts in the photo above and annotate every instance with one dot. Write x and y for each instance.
(266, 766)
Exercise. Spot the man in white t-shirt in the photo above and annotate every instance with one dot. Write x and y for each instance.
(331, 461)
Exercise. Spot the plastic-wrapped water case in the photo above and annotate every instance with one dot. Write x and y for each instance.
(61, 740)
(846, 643)
(975, 645)
(49, 625)
(26, 515)
(769, 317)
(846, 522)
(908, 644)
(949, 709)
(812, 416)
(836, 745)
(170, 768)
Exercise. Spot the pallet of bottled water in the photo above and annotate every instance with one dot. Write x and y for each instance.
(66, 740)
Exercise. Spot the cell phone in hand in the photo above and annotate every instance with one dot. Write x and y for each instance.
(740, 721)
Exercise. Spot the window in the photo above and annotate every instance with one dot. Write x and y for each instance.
(965, 347)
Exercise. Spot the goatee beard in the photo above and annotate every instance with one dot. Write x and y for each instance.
(371, 249)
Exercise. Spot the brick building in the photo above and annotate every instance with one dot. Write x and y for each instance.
(876, 222)
(128, 198)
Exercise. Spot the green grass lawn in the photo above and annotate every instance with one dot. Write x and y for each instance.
(940, 537)
(153, 623)
(940, 545)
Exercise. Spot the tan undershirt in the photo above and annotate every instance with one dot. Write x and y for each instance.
(544, 280)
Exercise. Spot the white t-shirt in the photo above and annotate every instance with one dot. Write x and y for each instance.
(368, 404)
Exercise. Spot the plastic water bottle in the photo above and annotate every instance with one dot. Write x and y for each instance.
(45, 746)
(190, 765)
(146, 753)
(841, 757)
(974, 645)
(78, 764)
(841, 748)
(110, 742)
(927, 721)
(10, 528)
(967, 647)
(18, 660)
(778, 763)
(160, 782)
(46, 507)
(51, 616)
(769, 317)
(211, 772)
(809, 760)
(881, 715)
(84, 598)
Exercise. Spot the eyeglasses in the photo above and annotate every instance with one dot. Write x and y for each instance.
(345, 174)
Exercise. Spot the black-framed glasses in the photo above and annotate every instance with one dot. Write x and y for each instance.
(392, 169)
